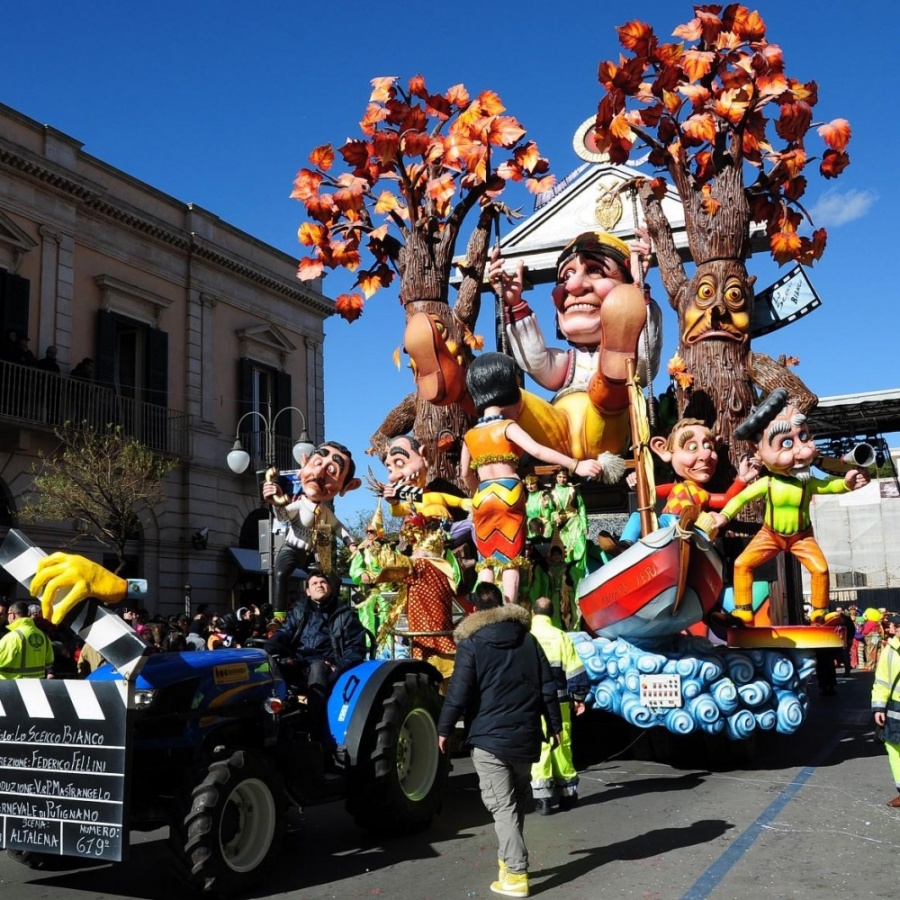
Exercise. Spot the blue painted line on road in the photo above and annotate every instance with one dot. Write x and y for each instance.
(712, 877)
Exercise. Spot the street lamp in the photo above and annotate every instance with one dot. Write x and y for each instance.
(239, 459)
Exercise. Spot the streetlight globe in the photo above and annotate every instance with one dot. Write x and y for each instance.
(238, 458)
(303, 448)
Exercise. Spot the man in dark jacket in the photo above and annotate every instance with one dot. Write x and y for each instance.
(321, 637)
(501, 686)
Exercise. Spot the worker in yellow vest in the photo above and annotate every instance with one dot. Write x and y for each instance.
(25, 651)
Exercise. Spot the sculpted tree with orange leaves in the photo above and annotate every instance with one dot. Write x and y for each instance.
(423, 163)
(705, 106)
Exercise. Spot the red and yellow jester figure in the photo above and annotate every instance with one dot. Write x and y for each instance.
(785, 447)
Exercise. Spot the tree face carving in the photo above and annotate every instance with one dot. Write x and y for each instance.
(736, 135)
(719, 304)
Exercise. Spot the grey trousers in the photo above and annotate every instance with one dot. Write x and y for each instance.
(505, 791)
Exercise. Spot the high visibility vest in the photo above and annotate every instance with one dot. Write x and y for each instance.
(25, 651)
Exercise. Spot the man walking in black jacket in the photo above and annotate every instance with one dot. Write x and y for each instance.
(501, 686)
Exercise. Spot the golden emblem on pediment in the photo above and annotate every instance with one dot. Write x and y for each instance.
(608, 206)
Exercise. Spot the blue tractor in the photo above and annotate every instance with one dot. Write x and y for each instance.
(221, 749)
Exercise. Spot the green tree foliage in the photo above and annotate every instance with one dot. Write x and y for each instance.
(102, 481)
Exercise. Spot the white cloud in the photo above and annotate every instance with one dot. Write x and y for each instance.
(839, 207)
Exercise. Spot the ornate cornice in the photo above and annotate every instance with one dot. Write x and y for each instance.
(92, 199)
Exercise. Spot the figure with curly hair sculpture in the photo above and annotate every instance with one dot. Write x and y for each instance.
(601, 313)
(492, 451)
(782, 440)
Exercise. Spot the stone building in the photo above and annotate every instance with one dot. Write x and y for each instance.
(191, 324)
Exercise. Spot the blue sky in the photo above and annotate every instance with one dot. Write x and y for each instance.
(219, 104)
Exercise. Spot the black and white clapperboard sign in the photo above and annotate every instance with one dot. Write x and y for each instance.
(63, 767)
(65, 744)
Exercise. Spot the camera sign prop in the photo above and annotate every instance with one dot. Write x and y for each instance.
(790, 298)
(63, 767)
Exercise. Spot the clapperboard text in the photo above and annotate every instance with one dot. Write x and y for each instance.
(63, 766)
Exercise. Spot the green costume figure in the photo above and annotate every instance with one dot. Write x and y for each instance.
(374, 609)
(570, 518)
(554, 778)
(538, 507)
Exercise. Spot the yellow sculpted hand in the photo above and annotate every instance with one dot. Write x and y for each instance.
(74, 579)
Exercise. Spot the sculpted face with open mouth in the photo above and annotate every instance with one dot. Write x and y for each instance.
(720, 309)
(583, 284)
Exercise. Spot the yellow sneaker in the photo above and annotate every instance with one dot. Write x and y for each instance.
(515, 884)
(501, 870)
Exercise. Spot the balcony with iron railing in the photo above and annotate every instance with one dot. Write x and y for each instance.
(34, 398)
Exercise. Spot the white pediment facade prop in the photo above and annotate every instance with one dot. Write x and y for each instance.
(591, 199)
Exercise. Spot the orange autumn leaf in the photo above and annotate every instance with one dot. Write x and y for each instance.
(310, 234)
(458, 96)
(382, 89)
(505, 131)
(417, 87)
(539, 185)
(441, 189)
(700, 128)
(833, 163)
(697, 63)
(731, 105)
(349, 306)
(658, 187)
(370, 282)
(696, 93)
(322, 157)
(690, 31)
(345, 254)
(527, 157)
(747, 25)
(792, 361)
(395, 356)
(635, 36)
(773, 85)
(306, 184)
(785, 246)
(386, 203)
(794, 121)
(510, 171)
(836, 134)
(320, 207)
(475, 341)
(676, 364)
(489, 104)
(669, 54)
(684, 380)
(309, 269)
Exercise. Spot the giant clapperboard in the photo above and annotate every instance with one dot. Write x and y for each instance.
(65, 744)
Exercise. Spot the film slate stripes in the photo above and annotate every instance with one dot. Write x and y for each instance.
(63, 767)
(103, 630)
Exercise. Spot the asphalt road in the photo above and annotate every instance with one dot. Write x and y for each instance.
(805, 819)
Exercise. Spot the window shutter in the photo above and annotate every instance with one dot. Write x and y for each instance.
(105, 357)
(157, 367)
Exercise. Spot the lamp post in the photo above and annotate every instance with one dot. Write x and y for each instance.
(239, 459)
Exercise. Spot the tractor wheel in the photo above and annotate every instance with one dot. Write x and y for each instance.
(235, 825)
(401, 772)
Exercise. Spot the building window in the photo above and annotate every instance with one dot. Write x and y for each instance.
(267, 391)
